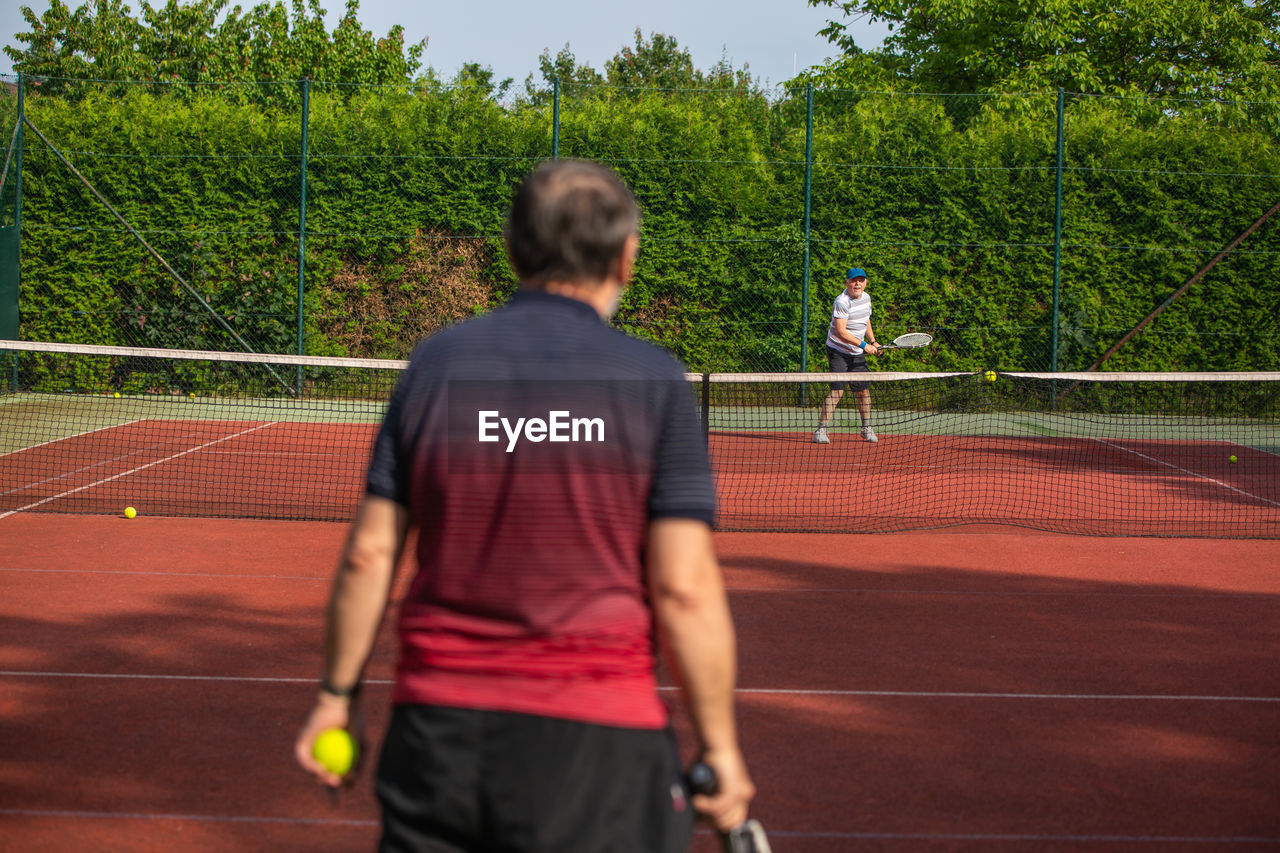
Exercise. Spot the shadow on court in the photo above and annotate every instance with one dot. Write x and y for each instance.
(917, 702)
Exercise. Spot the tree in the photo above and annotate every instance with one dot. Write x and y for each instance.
(479, 78)
(98, 41)
(563, 67)
(185, 42)
(1191, 48)
(659, 63)
(654, 63)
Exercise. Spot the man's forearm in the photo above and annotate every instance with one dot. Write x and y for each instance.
(697, 631)
(700, 643)
(692, 613)
(850, 338)
(361, 589)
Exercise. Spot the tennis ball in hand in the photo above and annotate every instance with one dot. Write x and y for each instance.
(1232, 460)
(336, 750)
(990, 376)
(130, 512)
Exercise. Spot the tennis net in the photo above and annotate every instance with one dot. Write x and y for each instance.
(93, 429)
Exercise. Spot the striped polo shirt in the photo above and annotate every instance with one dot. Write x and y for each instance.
(532, 447)
(856, 313)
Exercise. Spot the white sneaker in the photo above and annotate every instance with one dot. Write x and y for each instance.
(820, 436)
(868, 433)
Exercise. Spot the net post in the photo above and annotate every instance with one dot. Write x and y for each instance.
(808, 202)
(302, 226)
(706, 406)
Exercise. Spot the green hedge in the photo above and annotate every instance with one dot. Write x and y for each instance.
(949, 203)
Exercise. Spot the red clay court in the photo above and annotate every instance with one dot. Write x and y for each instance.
(977, 686)
(768, 478)
(993, 689)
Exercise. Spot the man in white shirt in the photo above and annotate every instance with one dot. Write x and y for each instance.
(849, 339)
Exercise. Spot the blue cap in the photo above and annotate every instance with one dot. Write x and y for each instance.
(856, 272)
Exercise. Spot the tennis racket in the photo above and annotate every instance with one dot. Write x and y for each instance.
(911, 340)
(747, 838)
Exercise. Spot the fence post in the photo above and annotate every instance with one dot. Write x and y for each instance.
(808, 197)
(17, 164)
(17, 211)
(1057, 242)
(555, 119)
(302, 226)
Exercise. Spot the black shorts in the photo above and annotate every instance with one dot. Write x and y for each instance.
(454, 779)
(843, 362)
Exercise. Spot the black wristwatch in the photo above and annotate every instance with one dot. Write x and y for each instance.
(341, 692)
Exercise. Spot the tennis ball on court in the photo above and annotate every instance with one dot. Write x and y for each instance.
(117, 394)
(130, 512)
(990, 376)
(336, 749)
(1232, 460)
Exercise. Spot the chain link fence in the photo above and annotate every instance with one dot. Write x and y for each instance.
(1024, 232)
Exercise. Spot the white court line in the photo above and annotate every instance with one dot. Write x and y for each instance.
(768, 590)
(206, 818)
(65, 438)
(1189, 473)
(100, 463)
(140, 677)
(986, 593)
(69, 437)
(995, 836)
(947, 694)
(137, 469)
(749, 691)
(773, 833)
(219, 575)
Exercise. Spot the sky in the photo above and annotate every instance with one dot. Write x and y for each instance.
(774, 38)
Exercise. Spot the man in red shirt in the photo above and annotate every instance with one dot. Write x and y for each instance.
(559, 483)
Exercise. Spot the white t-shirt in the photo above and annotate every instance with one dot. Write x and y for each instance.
(856, 313)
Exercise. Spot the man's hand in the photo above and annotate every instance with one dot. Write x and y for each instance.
(357, 600)
(330, 712)
(726, 809)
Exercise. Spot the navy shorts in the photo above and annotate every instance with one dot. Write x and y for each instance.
(843, 362)
(459, 779)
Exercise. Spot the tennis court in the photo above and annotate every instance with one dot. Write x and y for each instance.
(993, 689)
(992, 682)
(200, 468)
(769, 480)
(92, 429)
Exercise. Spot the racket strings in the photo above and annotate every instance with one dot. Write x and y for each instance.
(913, 339)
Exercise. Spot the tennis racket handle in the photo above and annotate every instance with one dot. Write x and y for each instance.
(702, 779)
(747, 838)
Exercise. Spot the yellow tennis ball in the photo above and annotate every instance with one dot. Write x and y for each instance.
(130, 512)
(1232, 460)
(117, 394)
(336, 749)
(990, 376)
